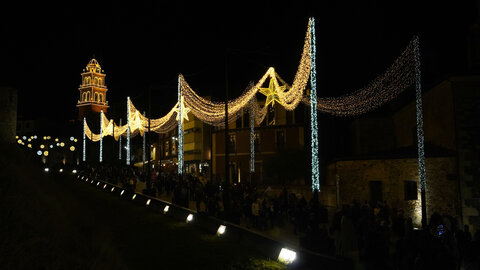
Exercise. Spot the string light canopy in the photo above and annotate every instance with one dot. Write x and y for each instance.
(403, 73)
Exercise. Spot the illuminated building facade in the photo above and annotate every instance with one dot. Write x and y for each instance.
(280, 134)
(93, 91)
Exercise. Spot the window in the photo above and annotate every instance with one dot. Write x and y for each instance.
(96, 97)
(167, 148)
(375, 192)
(100, 98)
(100, 81)
(280, 138)
(87, 80)
(271, 116)
(232, 143)
(88, 96)
(410, 190)
(96, 81)
(256, 141)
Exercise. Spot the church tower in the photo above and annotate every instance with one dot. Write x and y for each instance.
(93, 91)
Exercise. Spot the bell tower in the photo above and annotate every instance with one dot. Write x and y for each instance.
(93, 91)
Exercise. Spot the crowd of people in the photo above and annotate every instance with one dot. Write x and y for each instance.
(374, 236)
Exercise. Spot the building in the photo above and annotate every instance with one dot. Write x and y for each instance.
(279, 137)
(196, 148)
(92, 91)
(384, 166)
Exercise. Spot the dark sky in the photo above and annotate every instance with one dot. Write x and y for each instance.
(145, 44)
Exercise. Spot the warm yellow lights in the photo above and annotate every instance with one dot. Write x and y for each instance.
(184, 112)
(165, 210)
(189, 218)
(62, 144)
(104, 186)
(221, 230)
(113, 188)
(42, 146)
(29, 145)
(148, 202)
(72, 148)
(271, 93)
(45, 153)
(134, 196)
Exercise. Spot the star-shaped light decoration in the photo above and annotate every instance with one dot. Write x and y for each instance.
(272, 93)
(184, 112)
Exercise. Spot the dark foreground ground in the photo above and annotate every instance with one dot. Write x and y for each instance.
(50, 221)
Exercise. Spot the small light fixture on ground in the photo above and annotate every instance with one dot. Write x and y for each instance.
(165, 210)
(148, 202)
(46, 169)
(189, 217)
(287, 256)
(121, 193)
(221, 230)
(133, 197)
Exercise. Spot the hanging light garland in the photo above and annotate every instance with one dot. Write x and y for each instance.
(313, 112)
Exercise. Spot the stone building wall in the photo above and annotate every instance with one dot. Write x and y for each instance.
(354, 177)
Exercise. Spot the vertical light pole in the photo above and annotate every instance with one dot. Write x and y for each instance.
(100, 156)
(313, 110)
(180, 129)
(144, 156)
(252, 140)
(120, 143)
(84, 150)
(127, 158)
(420, 134)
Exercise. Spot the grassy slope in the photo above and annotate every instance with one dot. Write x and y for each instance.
(56, 223)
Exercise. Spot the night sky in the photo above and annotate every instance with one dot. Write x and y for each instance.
(144, 45)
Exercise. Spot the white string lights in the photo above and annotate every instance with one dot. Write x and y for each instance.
(419, 115)
(84, 140)
(313, 112)
(252, 138)
(404, 71)
(100, 158)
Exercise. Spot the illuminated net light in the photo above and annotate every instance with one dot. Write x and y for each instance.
(165, 209)
(180, 127)
(45, 153)
(134, 196)
(252, 137)
(72, 148)
(127, 158)
(287, 256)
(39, 152)
(84, 150)
(100, 158)
(313, 112)
(148, 202)
(189, 218)
(221, 230)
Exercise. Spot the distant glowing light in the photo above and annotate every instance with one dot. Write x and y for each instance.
(19, 141)
(60, 170)
(189, 217)
(47, 169)
(134, 196)
(113, 188)
(74, 171)
(72, 138)
(29, 145)
(39, 152)
(62, 144)
(287, 256)
(121, 193)
(221, 230)
(148, 202)
(98, 183)
(24, 137)
(72, 148)
(42, 146)
(45, 153)
(165, 210)
(104, 186)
